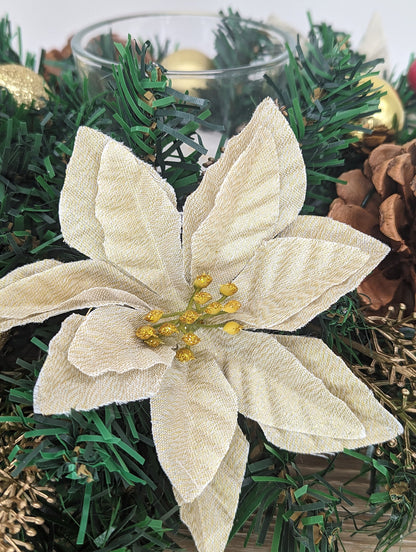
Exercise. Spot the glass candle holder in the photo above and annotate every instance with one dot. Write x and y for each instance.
(222, 58)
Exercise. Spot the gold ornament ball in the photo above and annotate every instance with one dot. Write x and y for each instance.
(188, 60)
(23, 84)
(386, 122)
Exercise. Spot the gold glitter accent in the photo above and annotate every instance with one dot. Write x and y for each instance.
(168, 329)
(232, 327)
(202, 281)
(24, 85)
(153, 342)
(213, 308)
(191, 339)
(154, 316)
(202, 297)
(184, 354)
(228, 289)
(145, 332)
(189, 317)
(231, 306)
(21, 497)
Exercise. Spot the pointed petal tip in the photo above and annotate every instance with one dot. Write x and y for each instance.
(210, 517)
(268, 103)
(379, 424)
(85, 131)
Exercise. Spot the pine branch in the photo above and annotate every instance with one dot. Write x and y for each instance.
(8, 38)
(298, 511)
(156, 121)
(408, 97)
(323, 96)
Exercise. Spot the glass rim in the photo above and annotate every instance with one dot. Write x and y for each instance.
(287, 38)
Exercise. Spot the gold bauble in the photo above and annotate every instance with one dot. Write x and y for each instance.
(187, 60)
(386, 122)
(24, 85)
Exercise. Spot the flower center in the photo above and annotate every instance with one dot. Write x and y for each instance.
(200, 312)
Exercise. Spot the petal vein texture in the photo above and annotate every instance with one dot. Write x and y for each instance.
(254, 191)
(194, 417)
(61, 387)
(210, 516)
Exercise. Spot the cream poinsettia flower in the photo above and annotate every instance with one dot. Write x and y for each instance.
(240, 227)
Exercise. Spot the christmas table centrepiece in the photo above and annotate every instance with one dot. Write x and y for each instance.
(241, 230)
(232, 309)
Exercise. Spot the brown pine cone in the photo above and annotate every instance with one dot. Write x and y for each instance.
(380, 201)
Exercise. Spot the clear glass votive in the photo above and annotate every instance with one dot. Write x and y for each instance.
(222, 58)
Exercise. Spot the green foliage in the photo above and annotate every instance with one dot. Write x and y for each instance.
(408, 97)
(156, 121)
(323, 98)
(8, 38)
(35, 146)
(239, 43)
(342, 324)
(393, 493)
(298, 512)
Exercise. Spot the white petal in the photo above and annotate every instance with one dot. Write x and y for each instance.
(294, 279)
(111, 331)
(141, 226)
(194, 417)
(27, 270)
(63, 287)
(379, 425)
(337, 232)
(61, 387)
(210, 516)
(274, 388)
(261, 168)
(244, 213)
(79, 225)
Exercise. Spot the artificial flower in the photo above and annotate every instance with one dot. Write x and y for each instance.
(241, 242)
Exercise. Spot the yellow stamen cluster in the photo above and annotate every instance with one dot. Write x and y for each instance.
(231, 306)
(202, 281)
(154, 316)
(202, 297)
(196, 315)
(228, 289)
(146, 332)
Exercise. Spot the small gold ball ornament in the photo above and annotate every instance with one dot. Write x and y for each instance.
(386, 122)
(188, 60)
(24, 85)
